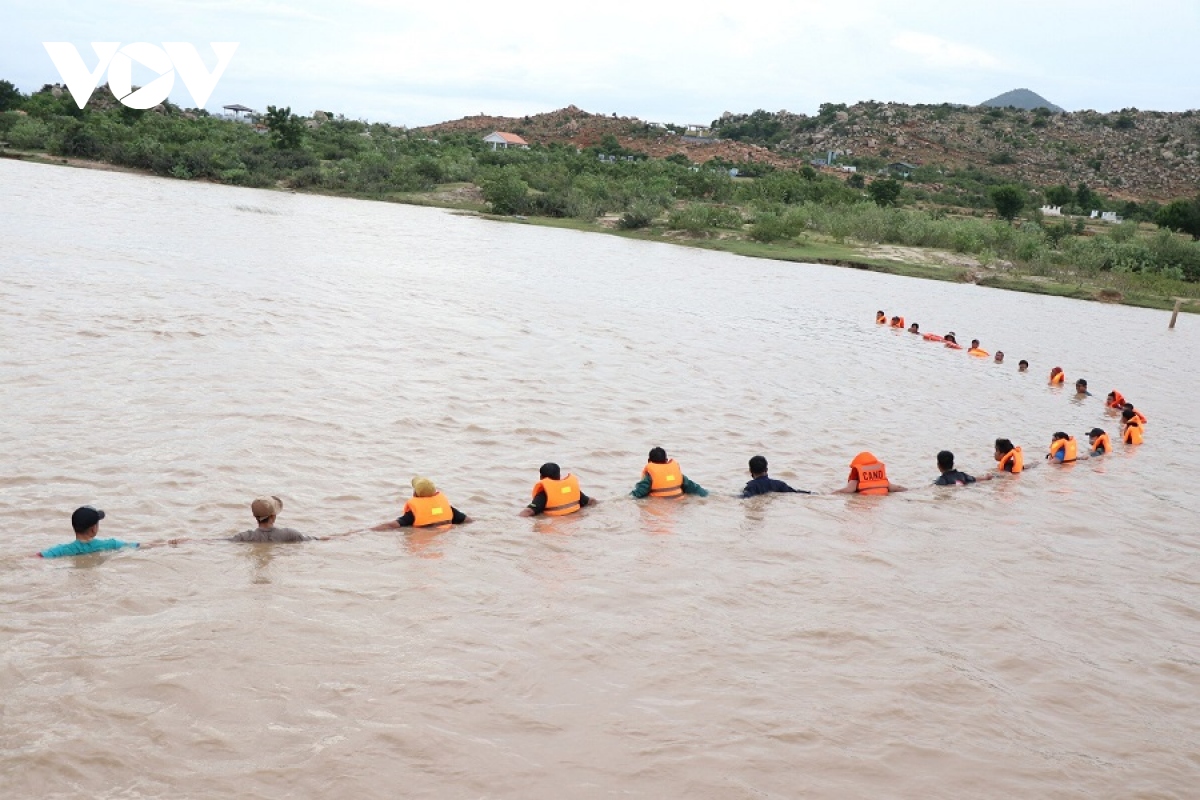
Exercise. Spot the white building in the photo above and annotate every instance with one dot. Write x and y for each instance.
(499, 139)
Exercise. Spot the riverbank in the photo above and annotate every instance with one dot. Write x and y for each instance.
(911, 262)
(1128, 288)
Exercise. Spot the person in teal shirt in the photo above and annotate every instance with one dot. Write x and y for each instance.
(657, 458)
(86, 522)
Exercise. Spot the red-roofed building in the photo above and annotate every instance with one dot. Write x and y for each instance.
(505, 140)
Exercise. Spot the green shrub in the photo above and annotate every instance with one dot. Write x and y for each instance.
(768, 227)
(504, 190)
(30, 133)
(639, 216)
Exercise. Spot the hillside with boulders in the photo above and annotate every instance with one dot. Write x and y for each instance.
(582, 129)
(1128, 154)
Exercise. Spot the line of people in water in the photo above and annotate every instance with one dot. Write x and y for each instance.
(557, 494)
(554, 495)
(1132, 421)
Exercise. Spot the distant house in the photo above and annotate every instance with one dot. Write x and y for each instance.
(499, 139)
(1051, 211)
(239, 112)
(901, 169)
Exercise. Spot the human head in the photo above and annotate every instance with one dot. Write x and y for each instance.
(1060, 435)
(1128, 407)
(915, 328)
(1127, 414)
(974, 343)
(1022, 365)
(945, 460)
(895, 319)
(1055, 371)
(1081, 385)
(999, 357)
(949, 337)
(862, 459)
(423, 487)
(758, 466)
(1095, 433)
(657, 455)
(1003, 446)
(880, 313)
(550, 470)
(265, 508)
(85, 518)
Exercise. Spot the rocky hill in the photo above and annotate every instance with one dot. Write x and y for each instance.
(1022, 99)
(1130, 154)
(572, 125)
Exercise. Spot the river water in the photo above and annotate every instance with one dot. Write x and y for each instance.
(172, 350)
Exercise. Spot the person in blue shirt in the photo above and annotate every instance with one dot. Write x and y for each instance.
(86, 522)
(761, 483)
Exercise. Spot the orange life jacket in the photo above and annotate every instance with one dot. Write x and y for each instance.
(1014, 457)
(562, 496)
(881, 319)
(1058, 377)
(872, 478)
(1132, 434)
(899, 323)
(1118, 400)
(1102, 442)
(666, 480)
(975, 351)
(1069, 445)
(1141, 418)
(428, 511)
(932, 337)
(954, 345)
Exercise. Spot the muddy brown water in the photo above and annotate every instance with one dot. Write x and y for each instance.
(171, 350)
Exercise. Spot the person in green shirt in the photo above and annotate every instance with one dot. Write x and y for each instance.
(672, 481)
(86, 522)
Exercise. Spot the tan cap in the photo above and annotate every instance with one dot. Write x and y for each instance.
(423, 487)
(265, 507)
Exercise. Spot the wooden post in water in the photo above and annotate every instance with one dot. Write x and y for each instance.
(1175, 313)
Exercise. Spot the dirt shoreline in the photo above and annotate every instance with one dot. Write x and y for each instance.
(912, 262)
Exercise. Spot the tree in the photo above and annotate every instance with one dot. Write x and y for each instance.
(1008, 200)
(1182, 216)
(856, 181)
(885, 192)
(505, 191)
(1085, 198)
(287, 131)
(10, 96)
(1061, 195)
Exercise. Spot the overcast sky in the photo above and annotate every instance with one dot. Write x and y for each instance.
(417, 63)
